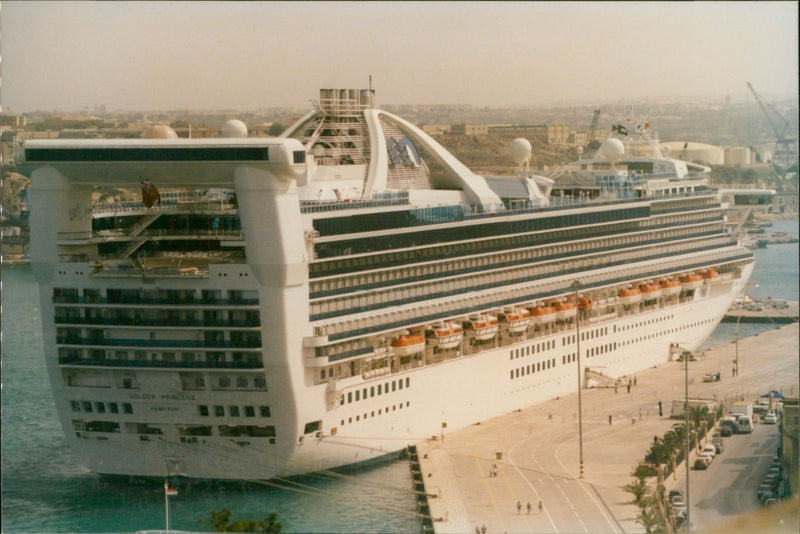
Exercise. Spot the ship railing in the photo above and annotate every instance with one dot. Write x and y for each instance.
(243, 344)
(160, 364)
(379, 200)
(162, 322)
(195, 302)
(378, 321)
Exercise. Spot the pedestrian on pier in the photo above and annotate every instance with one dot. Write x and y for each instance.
(519, 507)
(540, 507)
(529, 507)
(609, 419)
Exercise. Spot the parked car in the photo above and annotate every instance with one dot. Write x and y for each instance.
(770, 419)
(678, 504)
(674, 493)
(701, 462)
(710, 449)
(725, 431)
(718, 445)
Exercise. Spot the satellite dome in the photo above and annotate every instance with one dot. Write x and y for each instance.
(521, 150)
(234, 128)
(159, 131)
(612, 149)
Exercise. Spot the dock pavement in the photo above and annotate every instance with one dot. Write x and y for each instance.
(485, 475)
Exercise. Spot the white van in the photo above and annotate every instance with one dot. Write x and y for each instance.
(744, 425)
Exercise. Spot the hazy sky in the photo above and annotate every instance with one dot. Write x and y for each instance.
(247, 55)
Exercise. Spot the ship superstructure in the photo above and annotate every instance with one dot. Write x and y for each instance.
(298, 303)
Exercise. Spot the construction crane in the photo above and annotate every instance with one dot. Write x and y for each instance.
(785, 147)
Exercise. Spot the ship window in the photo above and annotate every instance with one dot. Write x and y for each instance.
(393, 385)
(400, 384)
(364, 394)
(127, 407)
(260, 382)
(168, 357)
(100, 407)
(140, 356)
(322, 374)
(242, 382)
(234, 411)
(195, 430)
(75, 405)
(407, 381)
(219, 411)
(187, 357)
(312, 427)
(380, 388)
(372, 391)
(113, 407)
(224, 382)
(358, 394)
(249, 411)
(512, 374)
(199, 382)
(203, 410)
(87, 406)
(265, 412)
(349, 396)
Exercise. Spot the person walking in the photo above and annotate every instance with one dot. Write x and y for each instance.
(529, 507)
(519, 507)
(609, 419)
(540, 507)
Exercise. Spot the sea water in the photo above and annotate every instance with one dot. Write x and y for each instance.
(45, 488)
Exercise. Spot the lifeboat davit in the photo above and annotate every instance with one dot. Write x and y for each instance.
(691, 281)
(710, 275)
(650, 291)
(517, 319)
(445, 335)
(670, 287)
(565, 310)
(406, 344)
(485, 326)
(584, 304)
(543, 314)
(629, 296)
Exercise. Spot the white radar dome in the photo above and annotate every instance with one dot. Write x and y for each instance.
(234, 128)
(612, 149)
(159, 131)
(521, 151)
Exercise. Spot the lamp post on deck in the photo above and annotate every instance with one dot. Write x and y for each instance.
(576, 286)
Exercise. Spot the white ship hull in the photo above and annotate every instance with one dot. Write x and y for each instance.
(440, 398)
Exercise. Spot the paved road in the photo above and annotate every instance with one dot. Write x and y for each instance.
(728, 487)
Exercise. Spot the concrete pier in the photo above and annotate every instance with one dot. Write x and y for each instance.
(481, 473)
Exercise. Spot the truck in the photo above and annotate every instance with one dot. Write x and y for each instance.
(740, 408)
(678, 411)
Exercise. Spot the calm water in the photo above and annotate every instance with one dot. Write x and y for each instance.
(45, 489)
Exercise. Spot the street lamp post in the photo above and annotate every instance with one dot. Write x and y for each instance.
(576, 286)
(686, 356)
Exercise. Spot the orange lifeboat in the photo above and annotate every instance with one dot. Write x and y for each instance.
(485, 326)
(445, 335)
(517, 319)
(584, 304)
(650, 291)
(691, 281)
(670, 287)
(565, 310)
(406, 344)
(710, 274)
(629, 296)
(543, 314)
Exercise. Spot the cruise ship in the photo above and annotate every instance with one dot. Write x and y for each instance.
(293, 304)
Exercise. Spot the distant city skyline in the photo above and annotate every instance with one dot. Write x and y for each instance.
(207, 55)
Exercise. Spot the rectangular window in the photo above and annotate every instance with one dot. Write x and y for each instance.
(349, 396)
(265, 412)
(75, 405)
(358, 394)
(379, 388)
(203, 410)
(100, 407)
(407, 381)
(372, 391)
(127, 407)
(219, 411)
(113, 407)
(394, 384)
(249, 411)
(87, 406)
(234, 411)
